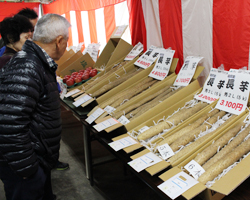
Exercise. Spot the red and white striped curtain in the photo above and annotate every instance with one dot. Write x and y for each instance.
(92, 21)
(218, 30)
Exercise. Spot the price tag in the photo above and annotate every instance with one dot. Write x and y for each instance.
(109, 109)
(165, 151)
(105, 124)
(187, 71)
(194, 168)
(81, 100)
(138, 48)
(124, 120)
(235, 94)
(98, 112)
(122, 143)
(177, 185)
(72, 92)
(147, 58)
(144, 161)
(119, 31)
(144, 128)
(63, 90)
(163, 64)
(92, 50)
(213, 86)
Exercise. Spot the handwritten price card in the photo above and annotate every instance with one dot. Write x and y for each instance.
(194, 168)
(105, 124)
(177, 185)
(187, 71)
(163, 64)
(147, 58)
(213, 86)
(235, 94)
(122, 143)
(144, 161)
(82, 100)
(94, 115)
(138, 48)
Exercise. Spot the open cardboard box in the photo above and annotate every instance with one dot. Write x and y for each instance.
(130, 84)
(65, 57)
(228, 182)
(67, 62)
(193, 86)
(82, 62)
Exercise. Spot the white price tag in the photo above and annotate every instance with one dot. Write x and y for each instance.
(163, 64)
(177, 185)
(63, 90)
(213, 86)
(138, 48)
(124, 120)
(187, 71)
(147, 58)
(144, 128)
(105, 124)
(165, 151)
(122, 143)
(94, 115)
(235, 94)
(109, 109)
(194, 168)
(119, 31)
(144, 161)
(72, 92)
(81, 100)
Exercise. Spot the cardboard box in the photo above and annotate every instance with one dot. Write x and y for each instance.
(82, 62)
(65, 57)
(67, 62)
(129, 84)
(231, 180)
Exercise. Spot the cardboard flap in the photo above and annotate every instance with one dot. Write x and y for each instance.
(189, 194)
(233, 178)
(130, 148)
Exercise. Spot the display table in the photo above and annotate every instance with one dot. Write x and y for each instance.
(90, 134)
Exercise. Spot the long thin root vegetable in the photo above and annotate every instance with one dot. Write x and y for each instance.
(196, 143)
(228, 148)
(170, 139)
(208, 152)
(225, 162)
(183, 114)
(129, 95)
(152, 103)
(113, 84)
(190, 136)
(135, 90)
(155, 102)
(136, 105)
(88, 85)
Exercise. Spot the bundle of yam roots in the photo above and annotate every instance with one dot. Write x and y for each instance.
(89, 84)
(222, 153)
(133, 111)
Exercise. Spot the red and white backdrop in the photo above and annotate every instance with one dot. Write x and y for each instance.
(218, 30)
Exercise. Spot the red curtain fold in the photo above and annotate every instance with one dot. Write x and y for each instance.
(8, 9)
(171, 27)
(231, 35)
(137, 23)
(70, 42)
(109, 16)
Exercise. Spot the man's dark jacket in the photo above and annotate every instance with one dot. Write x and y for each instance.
(30, 122)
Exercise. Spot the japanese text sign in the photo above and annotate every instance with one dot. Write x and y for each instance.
(234, 96)
(147, 58)
(163, 64)
(138, 48)
(213, 86)
(187, 71)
